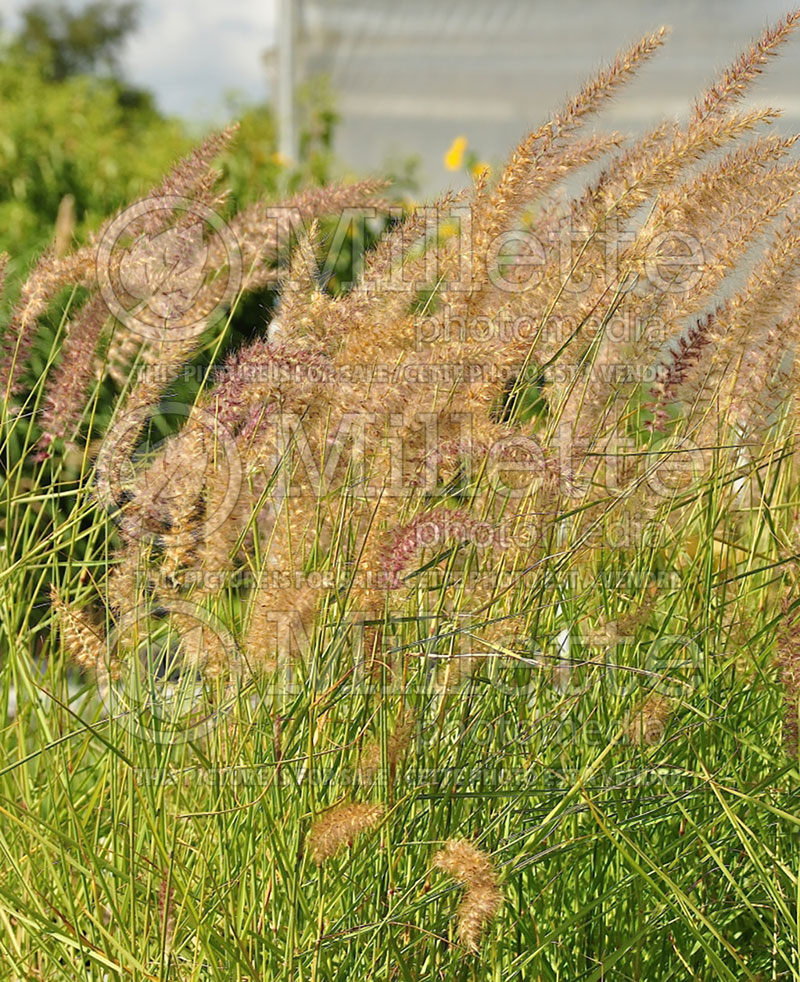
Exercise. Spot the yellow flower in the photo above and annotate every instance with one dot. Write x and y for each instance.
(455, 154)
(448, 229)
(481, 169)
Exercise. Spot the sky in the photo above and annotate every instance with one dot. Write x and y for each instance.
(192, 52)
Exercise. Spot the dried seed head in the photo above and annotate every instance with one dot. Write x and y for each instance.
(339, 827)
(396, 746)
(479, 906)
(647, 724)
(166, 912)
(83, 639)
(482, 899)
(464, 862)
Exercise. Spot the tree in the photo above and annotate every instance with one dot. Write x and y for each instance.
(67, 42)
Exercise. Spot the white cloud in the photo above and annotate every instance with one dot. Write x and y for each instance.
(191, 52)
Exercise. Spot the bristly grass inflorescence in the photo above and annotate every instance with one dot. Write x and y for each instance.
(395, 491)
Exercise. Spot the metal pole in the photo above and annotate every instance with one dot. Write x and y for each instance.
(287, 137)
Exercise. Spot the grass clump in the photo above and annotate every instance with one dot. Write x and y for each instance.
(490, 547)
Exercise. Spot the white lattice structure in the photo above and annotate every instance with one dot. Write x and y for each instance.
(410, 75)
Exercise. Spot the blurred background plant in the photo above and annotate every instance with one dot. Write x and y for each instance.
(79, 141)
(70, 123)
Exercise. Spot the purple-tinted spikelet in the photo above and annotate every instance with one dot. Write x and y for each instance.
(685, 356)
(256, 374)
(65, 398)
(434, 531)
